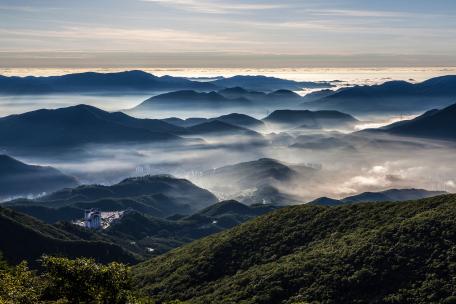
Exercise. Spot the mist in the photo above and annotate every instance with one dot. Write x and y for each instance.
(361, 163)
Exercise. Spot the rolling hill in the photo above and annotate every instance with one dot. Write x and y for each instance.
(151, 236)
(20, 179)
(363, 253)
(25, 238)
(158, 195)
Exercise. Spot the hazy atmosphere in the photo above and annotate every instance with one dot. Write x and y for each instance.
(215, 151)
(221, 33)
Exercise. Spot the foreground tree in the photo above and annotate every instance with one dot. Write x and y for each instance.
(84, 281)
(66, 281)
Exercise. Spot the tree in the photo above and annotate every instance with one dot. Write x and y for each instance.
(84, 281)
(19, 285)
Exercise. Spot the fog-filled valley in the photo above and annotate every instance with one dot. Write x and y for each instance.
(328, 152)
(128, 166)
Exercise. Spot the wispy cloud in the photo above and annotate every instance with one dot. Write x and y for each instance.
(27, 9)
(215, 6)
(359, 13)
(124, 38)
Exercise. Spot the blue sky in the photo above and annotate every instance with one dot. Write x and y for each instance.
(339, 31)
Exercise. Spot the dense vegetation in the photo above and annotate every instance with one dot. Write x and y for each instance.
(66, 281)
(150, 236)
(136, 236)
(25, 238)
(363, 253)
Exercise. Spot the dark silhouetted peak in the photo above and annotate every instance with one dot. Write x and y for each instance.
(78, 125)
(437, 124)
(241, 120)
(325, 201)
(20, 179)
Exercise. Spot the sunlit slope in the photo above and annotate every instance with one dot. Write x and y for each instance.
(364, 253)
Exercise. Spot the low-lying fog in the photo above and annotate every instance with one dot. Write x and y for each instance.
(360, 164)
(346, 166)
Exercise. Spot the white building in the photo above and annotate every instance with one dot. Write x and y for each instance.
(92, 218)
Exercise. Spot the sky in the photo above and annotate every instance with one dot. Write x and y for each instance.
(227, 33)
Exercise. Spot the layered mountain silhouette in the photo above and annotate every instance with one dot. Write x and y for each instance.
(390, 97)
(78, 125)
(159, 196)
(280, 97)
(140, 81)
(236, 97)
(391, 195)
(129, 81)
(310, 119)
(236, 119)
(189, 98)
(20, 179)
(316, 95)
(184, 123)
(267, 84)
(241, 120)
(434, 124)
(164, 189)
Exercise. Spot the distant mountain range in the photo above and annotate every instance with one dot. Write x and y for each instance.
(129, 81)
(434, 124)
(267, 84)
(392, 195)
(390, 97)
(236, 97)
(79, 125)
(20, 179)
(140, 81)
(189, 99)
(288, 119)
(280, 97)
